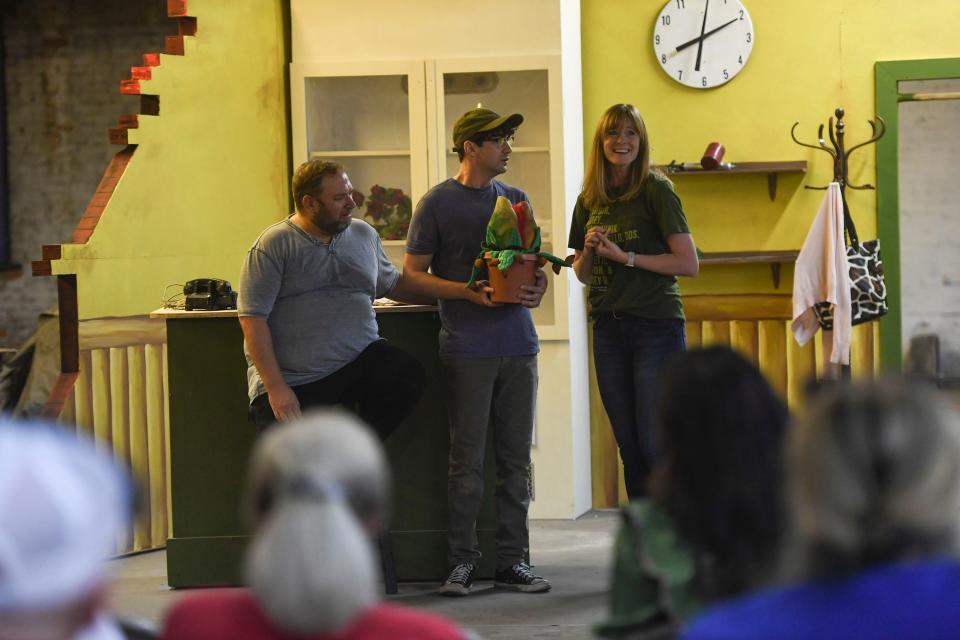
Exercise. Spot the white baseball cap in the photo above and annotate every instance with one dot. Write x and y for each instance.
(63, 505)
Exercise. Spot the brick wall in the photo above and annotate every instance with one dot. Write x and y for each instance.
(64, 64)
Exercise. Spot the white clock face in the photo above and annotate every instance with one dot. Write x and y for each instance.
(703, 43)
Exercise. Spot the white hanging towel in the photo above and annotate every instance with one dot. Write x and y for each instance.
(821, 275)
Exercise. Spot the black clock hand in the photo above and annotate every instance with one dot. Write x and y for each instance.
(690, 43)
(703, 27)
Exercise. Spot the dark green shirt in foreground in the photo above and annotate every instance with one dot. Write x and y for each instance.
(653, 574)
(641, 225)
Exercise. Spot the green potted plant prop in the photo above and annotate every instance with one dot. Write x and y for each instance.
(511, 251)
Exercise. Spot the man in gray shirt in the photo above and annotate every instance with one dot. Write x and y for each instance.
(306, 309)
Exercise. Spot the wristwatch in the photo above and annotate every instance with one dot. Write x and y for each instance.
(631, 257)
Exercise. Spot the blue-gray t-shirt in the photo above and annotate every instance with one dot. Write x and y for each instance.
(317, 298)
(450, 223)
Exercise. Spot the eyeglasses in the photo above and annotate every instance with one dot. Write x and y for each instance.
(501, 141)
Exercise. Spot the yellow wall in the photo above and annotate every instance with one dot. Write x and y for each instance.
(210, 172)
(421, 29)
(808, 58)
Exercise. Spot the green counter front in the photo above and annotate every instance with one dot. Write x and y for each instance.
(211, 437)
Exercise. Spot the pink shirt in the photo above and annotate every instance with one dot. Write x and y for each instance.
(233, 613)
(821, 275)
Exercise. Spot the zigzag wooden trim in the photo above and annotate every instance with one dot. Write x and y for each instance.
(67, 283)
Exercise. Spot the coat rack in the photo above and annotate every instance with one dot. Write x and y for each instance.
(840, 156)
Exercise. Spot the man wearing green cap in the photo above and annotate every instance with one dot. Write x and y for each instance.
(488, 353)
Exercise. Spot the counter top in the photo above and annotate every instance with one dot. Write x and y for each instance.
(387, 306)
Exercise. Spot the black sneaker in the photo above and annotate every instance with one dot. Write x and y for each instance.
(519, 577)
(459, 581)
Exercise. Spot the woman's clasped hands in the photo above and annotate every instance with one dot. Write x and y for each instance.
(599, 242)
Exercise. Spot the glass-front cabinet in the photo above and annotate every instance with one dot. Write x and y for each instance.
(370, 118)
(511, 85)
(391, 125)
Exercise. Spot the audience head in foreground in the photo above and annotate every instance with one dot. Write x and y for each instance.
(713, 525)
(318, 492)
(875, 478)
(721, 480)
(63, 507)
(875, 487)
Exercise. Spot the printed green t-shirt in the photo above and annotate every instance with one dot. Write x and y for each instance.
(640, 225)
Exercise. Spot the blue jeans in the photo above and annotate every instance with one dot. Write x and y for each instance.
(629, 354)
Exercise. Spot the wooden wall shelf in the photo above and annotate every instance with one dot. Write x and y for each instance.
(773, 258)
(772, 169)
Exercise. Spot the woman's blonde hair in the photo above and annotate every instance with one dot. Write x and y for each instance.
(318, 488)
(596, 182)
(875, 477)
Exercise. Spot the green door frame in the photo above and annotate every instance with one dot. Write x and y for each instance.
(889, 97)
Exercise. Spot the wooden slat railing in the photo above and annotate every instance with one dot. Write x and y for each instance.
(120, 398)
(756, 325)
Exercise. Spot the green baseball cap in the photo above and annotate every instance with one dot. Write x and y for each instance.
(479, 120)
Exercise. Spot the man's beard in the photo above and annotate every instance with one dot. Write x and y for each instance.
(339, 226)
(331, 227)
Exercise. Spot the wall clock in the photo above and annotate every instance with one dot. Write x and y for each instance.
(703, 43)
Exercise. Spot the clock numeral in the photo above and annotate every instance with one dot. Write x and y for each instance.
(656, 39)
(703, 81)
(740, 59)
(681, 4)
(680, 75)
(741, 14)
(663, 58)
(726, 76)
(749, 37)
(665, 20)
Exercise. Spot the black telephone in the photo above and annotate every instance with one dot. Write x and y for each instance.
(209, 294)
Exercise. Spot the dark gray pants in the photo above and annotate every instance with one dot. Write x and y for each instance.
(502, 393)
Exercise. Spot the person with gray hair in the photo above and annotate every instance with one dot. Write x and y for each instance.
(875, 482)
(63, 507)
(318, 490)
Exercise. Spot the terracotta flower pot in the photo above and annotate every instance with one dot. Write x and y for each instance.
(506, 284)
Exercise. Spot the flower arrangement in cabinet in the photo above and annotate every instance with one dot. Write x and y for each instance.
(388, 210)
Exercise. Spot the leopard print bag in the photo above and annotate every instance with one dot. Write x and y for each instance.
(868, 293)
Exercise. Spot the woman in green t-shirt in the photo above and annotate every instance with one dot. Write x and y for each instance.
(632, 241)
